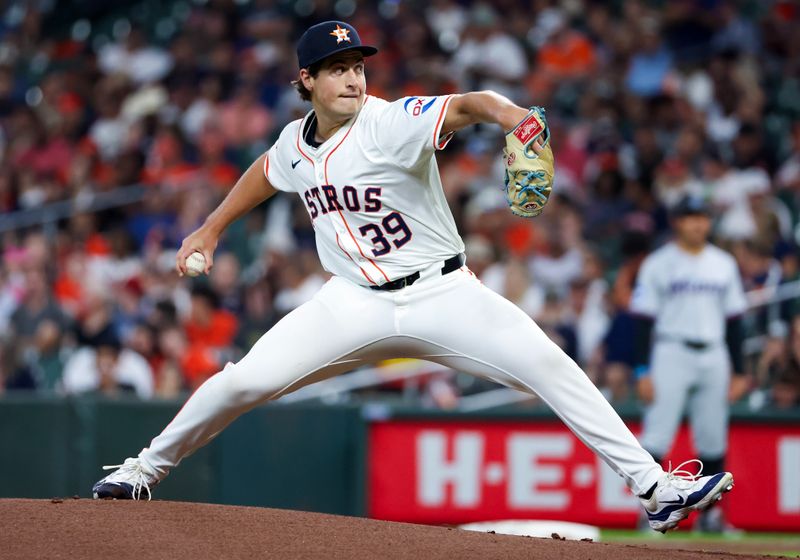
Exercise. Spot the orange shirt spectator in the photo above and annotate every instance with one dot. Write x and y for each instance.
(217, 331)
(198, 364)
(208, 325)
(165, 163)
(567, 55)
(570, 55)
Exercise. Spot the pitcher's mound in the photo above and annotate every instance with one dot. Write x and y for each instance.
(90, 529)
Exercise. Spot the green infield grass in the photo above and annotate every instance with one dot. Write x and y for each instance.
(772, 544)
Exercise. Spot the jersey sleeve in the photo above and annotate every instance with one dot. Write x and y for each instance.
(275, 165)
(409, 130)
(646, 297)
(735, 301)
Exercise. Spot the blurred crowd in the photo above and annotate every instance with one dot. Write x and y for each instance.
(647, 101)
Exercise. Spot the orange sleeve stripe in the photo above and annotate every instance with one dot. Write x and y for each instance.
(439, 123)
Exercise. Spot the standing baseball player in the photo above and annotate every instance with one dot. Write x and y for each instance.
(688, 301)
(366, 172)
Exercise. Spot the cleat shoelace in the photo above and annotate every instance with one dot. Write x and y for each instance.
(133, 470)
(682, 476)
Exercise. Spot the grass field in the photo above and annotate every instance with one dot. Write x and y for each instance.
(773, 544)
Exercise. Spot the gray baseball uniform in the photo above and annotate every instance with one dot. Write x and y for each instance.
(690, 297)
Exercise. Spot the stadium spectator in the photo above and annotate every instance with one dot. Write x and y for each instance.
(652, 64)
(488, 57)
(208, 324)
(104, 366)
(565, 55)
(136, 58)
(511, 279)
(778, 369)
(37, 307)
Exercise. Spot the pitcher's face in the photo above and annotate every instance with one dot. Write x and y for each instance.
(339, 88)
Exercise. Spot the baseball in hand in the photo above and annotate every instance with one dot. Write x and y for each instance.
(195, 264)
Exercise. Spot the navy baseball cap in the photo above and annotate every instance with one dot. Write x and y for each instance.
(691, 205)
(327, 38)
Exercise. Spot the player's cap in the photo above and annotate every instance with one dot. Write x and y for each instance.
(327, 38)
(691, 205)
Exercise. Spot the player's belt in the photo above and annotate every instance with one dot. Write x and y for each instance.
(696, 344)
(689, 343)
(448, 266)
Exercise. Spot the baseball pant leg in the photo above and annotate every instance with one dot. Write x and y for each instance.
(477, 331)
(708, 404)
(672, 371)
(338, 330)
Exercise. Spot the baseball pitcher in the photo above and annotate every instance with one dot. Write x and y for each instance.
(366, 171)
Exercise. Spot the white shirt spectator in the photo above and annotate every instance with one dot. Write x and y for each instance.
(721, 128)
(109, 136)
(12, 290)
(495, 278)
(699, 89)
(593, 322)
(556, 273)
(106, 272)
(447, 20)
(192, 121)
(499, 55)
(144, 65)
(81, 374)
(291, 298)
(732, 192)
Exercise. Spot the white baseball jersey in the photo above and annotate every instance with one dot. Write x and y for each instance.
(373, 190)
(690, 296)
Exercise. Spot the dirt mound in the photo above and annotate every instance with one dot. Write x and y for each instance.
(89, 529)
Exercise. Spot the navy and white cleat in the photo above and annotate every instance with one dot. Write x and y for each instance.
(680, 492)
(125, 483)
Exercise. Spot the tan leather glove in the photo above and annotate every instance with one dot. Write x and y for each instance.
(528, 176)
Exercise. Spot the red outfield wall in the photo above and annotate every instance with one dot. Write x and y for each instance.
(453, 472)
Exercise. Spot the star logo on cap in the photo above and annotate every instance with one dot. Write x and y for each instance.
(341, 34)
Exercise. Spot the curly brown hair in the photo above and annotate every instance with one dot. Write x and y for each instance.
(313, 70)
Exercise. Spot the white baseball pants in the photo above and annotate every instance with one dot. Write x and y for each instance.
(453, 320)
(693, 380)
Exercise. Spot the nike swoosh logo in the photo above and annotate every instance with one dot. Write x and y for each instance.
(679, 501)
(294, 163)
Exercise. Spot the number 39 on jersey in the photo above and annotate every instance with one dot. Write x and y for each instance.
(384, 232)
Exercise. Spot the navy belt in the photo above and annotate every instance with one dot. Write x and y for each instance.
(692, 344)
(450, 265)
(696, 344)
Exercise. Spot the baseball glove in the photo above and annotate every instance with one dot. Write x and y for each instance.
(528, 176)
